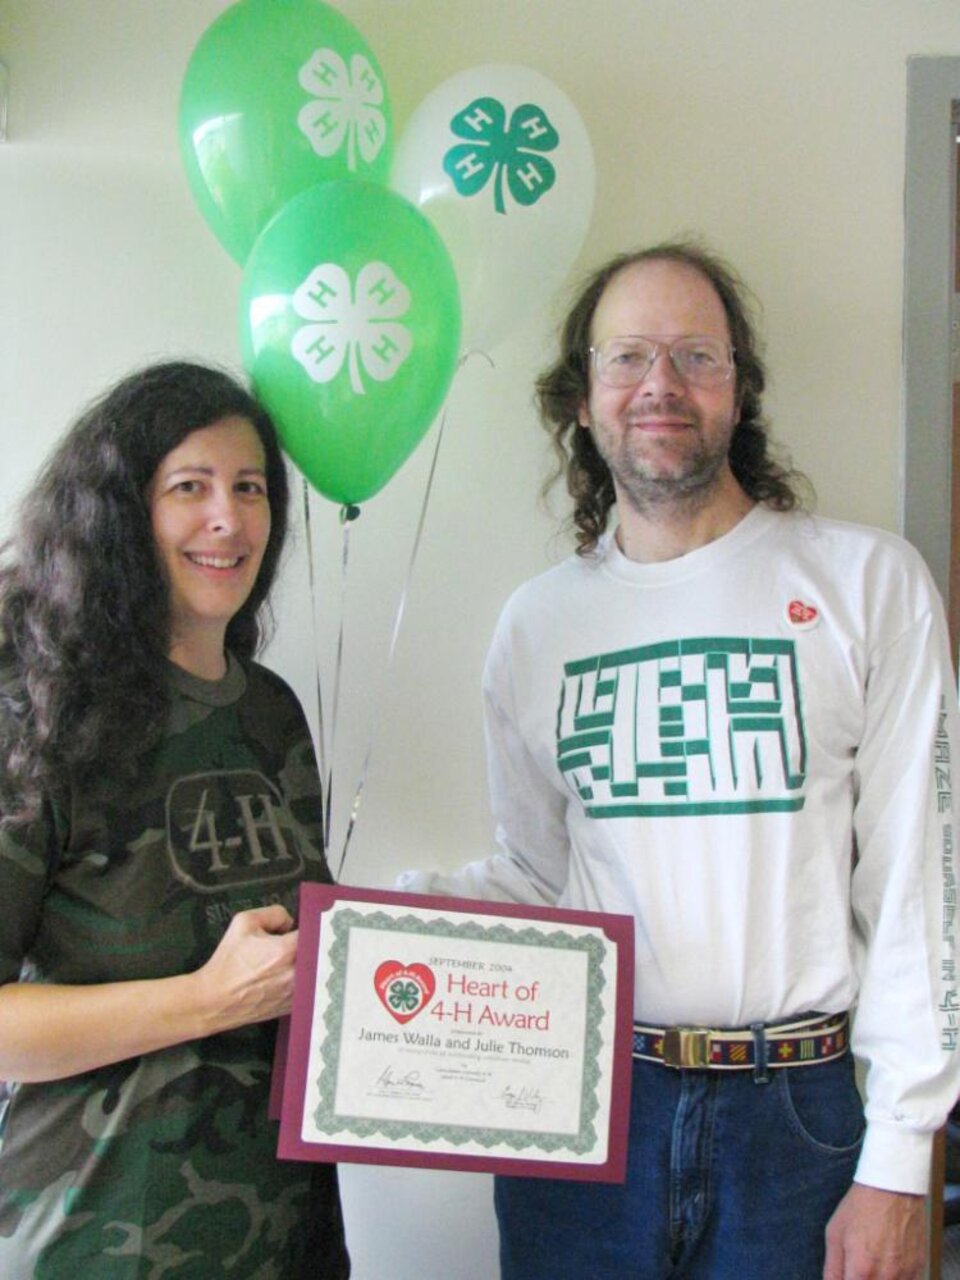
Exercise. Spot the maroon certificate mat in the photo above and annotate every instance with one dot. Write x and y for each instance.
(454, 1034)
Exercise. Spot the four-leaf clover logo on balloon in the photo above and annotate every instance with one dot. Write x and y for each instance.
(347, 106)
(360, 327)
(404, 996)
(496, 149)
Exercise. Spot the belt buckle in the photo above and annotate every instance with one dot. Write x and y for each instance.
(686, 1047)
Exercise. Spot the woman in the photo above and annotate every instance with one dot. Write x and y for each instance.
(159, 805)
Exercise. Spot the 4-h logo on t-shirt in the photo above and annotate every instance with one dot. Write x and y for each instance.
(230, 828)
(709, 725)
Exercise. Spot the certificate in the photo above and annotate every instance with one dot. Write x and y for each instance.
(457, 1034)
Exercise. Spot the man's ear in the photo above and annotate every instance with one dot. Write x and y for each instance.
(583, 414)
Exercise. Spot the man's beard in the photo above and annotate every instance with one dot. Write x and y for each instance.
(662, 475)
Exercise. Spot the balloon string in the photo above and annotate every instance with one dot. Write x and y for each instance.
(401, 608)
(347, 515)
(321, 731)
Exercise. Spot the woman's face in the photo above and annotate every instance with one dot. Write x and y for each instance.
(211, 520)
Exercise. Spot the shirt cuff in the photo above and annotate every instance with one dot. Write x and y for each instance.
(895, 1159)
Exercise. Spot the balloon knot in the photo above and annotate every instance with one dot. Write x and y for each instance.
(348, 512)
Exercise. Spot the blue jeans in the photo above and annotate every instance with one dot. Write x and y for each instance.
(728, 1178)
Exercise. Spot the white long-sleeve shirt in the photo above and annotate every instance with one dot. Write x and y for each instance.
(748, 749)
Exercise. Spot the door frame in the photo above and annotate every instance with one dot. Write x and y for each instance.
(931, 339)
(933, 84)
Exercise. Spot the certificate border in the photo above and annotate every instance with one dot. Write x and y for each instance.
(294, 1041)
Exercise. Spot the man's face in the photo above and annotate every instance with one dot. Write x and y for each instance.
(663, 439)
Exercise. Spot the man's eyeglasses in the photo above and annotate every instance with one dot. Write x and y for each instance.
(702, 362)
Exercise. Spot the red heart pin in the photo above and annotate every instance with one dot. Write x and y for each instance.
(404, 989)
(801, 614)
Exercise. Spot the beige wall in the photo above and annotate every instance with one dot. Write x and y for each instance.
(774, 128)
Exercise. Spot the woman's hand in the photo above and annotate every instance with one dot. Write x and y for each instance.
(249, 978)
(48, 1032)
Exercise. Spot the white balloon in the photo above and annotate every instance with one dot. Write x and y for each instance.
(499, 160)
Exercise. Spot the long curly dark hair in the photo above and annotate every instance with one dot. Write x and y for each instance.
(84, 607)
(563, 388)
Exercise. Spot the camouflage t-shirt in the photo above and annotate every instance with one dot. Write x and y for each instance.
(165, 1165)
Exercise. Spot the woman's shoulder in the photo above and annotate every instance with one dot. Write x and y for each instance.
(264, 685)
(265, 677)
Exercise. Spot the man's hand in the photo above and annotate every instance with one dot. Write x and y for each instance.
(876, 1235)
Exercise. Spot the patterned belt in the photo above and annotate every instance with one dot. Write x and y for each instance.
(803, 1042)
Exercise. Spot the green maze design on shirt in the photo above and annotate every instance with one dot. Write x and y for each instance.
(712, 725)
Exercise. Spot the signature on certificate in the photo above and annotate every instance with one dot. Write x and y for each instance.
(400, 1084)
(522, 1099)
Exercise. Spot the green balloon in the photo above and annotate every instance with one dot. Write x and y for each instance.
(279, 95)
(350, 329)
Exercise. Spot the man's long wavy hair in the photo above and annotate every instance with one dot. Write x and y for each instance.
(84, 606)
(563, 389)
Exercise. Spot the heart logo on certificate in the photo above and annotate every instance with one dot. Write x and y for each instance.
(404, 989)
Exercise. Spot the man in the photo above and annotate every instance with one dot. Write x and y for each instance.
(733, 721)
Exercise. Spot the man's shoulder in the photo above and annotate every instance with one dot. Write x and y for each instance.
(869, 574)
(546, 607)
(558, 580)
(846, 542)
